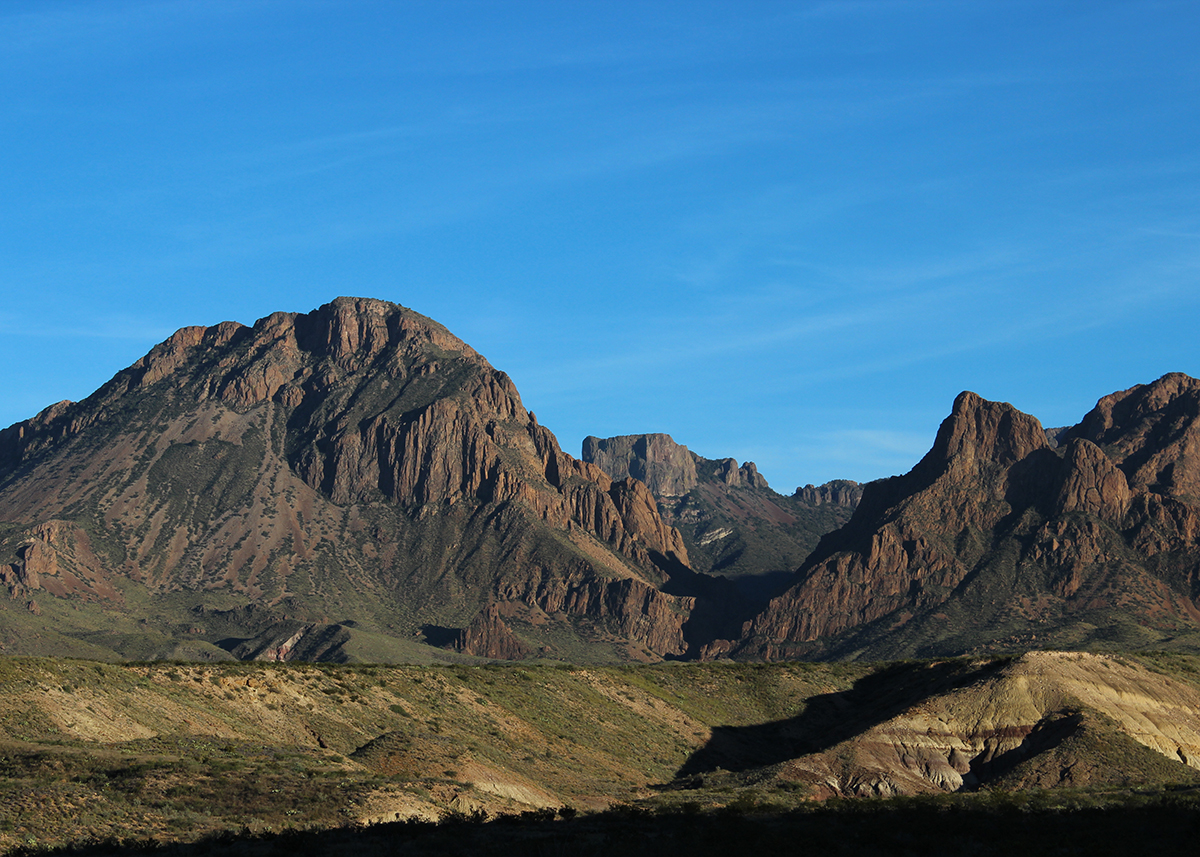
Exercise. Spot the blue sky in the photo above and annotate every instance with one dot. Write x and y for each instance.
(783, 232)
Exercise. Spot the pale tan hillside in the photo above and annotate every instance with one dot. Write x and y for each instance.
(1005, 719)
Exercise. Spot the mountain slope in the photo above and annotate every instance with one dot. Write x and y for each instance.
(357, 462)
(356, 483)
(998, 540)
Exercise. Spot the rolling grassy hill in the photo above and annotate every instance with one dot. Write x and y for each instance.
(175, 752)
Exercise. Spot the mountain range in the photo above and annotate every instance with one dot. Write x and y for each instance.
(358, 484)
(731, 522)
(1006, 536)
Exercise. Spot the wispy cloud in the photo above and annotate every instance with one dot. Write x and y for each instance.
(116, 328)
(117, 26)
(963, 304)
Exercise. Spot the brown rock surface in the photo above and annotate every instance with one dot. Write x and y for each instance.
(667, 468)
(1092, 484)
(355, 457)
(361, 465)
(1152, 433)
(731, 522)
(57, 557)
(995, 537)
(488, 637)
(840, 492)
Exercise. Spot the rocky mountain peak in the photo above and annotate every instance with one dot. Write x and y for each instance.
(731, 521)
(1152, 433)
(979, 431)
(839, 492)
(667, 468)
(352, 331)
(360, 463)
(727, 471)
(996, 528)
(1140, 402)
(358, 448)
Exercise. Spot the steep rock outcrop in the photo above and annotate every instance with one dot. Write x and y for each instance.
(1152, 433)
(57, 557)
(667, 468)
(488, 637)
(980, 434)
(894, 561)
(625, 608)
(997, 538)
(840, 492)
(1092, 484)
(731, 522)
(727, 471)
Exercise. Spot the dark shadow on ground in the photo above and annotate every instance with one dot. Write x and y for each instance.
(831, 718)
(1167, 823)
(440, 636)
(231, 643)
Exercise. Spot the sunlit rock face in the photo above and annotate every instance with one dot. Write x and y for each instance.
(996, 540)
(358, 460)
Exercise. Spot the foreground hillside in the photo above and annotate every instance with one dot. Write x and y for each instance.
(175, 752)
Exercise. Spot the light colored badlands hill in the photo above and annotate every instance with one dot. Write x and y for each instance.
(1045, 719)
(175, 751)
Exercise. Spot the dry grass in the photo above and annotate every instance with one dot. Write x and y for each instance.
(180, 752)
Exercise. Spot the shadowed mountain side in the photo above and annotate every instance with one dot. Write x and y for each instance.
(731, 521)
(720, 607)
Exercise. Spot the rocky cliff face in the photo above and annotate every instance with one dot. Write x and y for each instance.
(840, 492)
(358, 458)
(57, 557)
(731, 521)
(667, 468)
(1152, 433)
(359, 474)
(487, 636)
(996, 539)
